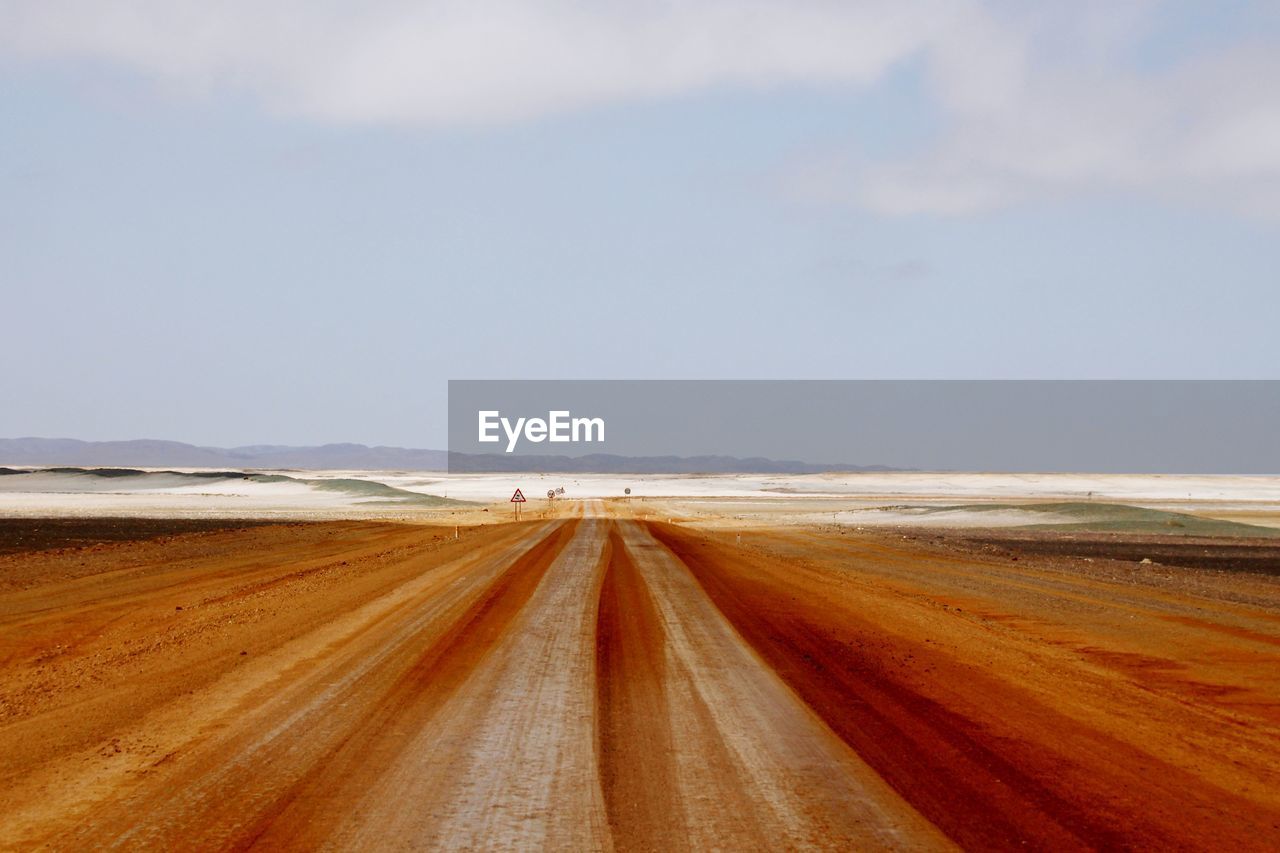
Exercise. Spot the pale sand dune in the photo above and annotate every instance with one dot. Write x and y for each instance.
(848, 498)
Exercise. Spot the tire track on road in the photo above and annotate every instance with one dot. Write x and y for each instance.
(309, 812)
(509, 761)
(754, 765)
(252, 755)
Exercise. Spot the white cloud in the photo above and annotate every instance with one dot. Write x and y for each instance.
(450, 61)
(1046, 108)
(1035, 100)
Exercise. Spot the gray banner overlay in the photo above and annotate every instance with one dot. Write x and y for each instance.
(660, 426)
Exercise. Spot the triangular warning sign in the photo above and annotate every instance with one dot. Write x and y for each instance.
(518, 497)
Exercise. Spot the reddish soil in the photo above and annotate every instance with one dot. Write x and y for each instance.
(948, 711)
(591, 683)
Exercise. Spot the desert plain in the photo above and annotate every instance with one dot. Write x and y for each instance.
(390, 660)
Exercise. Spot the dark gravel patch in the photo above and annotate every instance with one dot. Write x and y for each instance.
(1197, 552)
(19, 535)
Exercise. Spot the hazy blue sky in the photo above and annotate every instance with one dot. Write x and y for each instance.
(226, 225)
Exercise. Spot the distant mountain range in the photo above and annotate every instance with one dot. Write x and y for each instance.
(149, 453)
(606, 463)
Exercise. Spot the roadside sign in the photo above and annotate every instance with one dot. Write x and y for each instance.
(518, 497)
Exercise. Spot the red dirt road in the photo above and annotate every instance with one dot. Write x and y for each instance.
(592, 683)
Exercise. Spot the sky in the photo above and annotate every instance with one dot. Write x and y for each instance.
(292, 223)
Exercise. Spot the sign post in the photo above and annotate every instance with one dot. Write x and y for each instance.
(517, 499)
